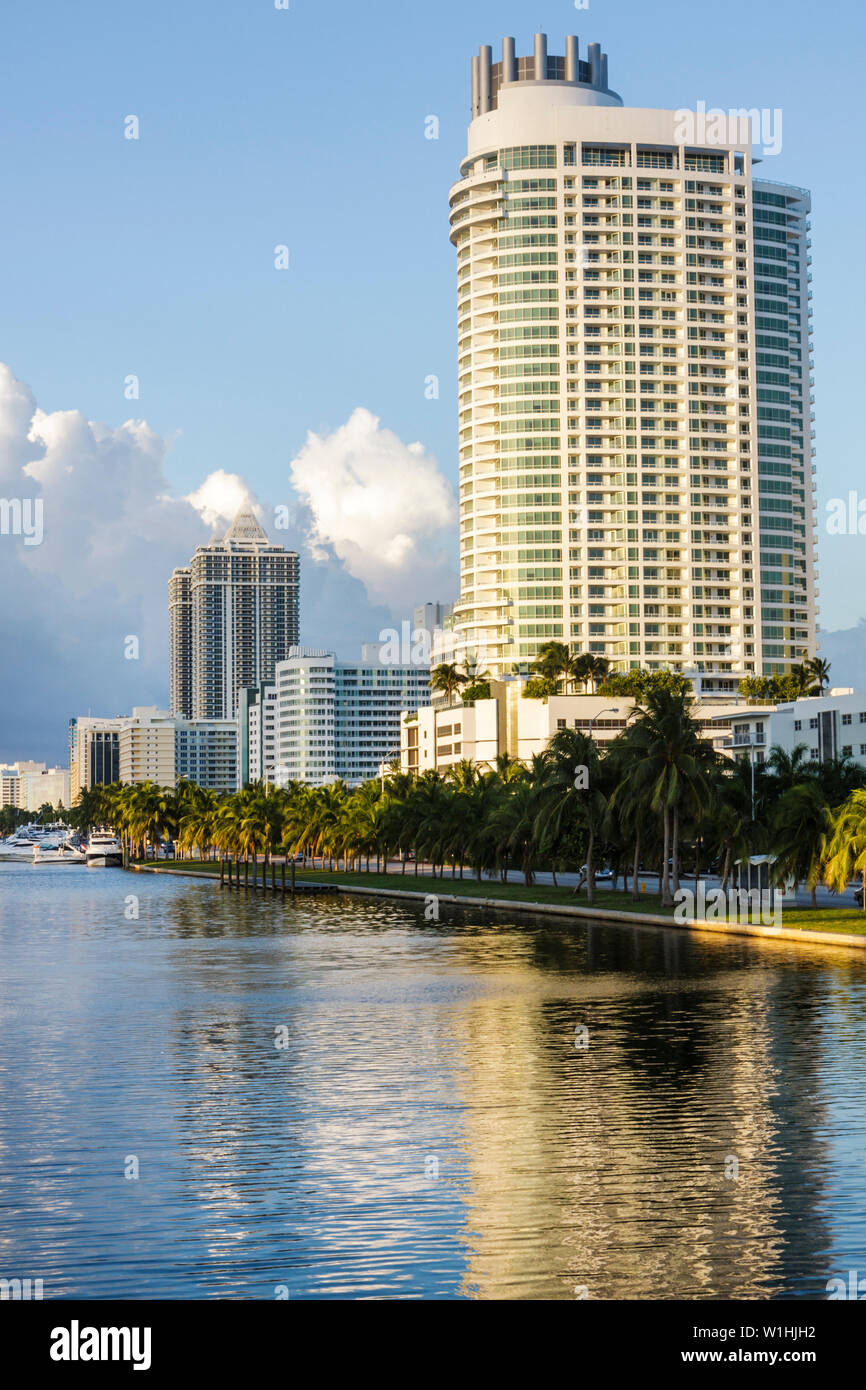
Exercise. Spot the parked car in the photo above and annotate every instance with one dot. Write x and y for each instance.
(600, 873)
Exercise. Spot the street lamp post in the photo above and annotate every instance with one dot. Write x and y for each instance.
(614, 709)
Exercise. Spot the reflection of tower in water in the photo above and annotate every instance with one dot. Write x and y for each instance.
(676, 1155)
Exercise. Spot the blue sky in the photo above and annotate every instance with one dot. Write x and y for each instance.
(305, 127)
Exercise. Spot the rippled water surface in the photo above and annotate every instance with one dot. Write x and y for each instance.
(340, 1099)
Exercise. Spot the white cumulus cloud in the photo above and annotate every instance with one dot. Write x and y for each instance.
(382, 507)
(113, 528)
(220, 498)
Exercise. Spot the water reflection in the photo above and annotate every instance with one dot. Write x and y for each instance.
(345, 1100)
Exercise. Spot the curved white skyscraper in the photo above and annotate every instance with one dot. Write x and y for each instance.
(633, 360)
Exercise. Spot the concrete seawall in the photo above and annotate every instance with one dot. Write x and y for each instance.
(618, 918)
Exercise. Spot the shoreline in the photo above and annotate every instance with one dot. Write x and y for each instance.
(604, 915)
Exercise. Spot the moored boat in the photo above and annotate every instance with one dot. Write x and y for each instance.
(103, 850)
(58, 854)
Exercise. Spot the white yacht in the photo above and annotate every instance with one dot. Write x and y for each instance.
(103, 850)
(20, 845)
(64, 853)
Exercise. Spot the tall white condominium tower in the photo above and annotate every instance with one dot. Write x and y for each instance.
(633, 352)
(233, 615)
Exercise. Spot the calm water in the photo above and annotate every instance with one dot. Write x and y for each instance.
(427, 1127)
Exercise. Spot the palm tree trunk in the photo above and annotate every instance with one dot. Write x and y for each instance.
(634, 893)
(726, 872)
(675, 850)
(590, 884)
(667, 900)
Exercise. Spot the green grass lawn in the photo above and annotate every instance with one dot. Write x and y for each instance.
(842, 919)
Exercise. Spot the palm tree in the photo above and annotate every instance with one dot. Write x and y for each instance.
(567, 799)
(463, 775)
(553, 662)
(597, 668)
(362, 822)
(669, 769)
(819, 669)
(789, 768)
(729, 818)
(799, 830)
(802, 679)
(845, 852)
(845, 849)
(513, 826)
(508, 768)
(150, 814)
(625, 814)
(447, 678)
(838, 778)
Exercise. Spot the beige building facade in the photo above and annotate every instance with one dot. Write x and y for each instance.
(438, 737)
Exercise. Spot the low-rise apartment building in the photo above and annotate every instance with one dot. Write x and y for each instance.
(439, 736)
(830, 726)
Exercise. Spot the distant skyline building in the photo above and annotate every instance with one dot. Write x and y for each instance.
(234, 613)
(634, 339)
(152, 745)
(30, 785)
(430, 616)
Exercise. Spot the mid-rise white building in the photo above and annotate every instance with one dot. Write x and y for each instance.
(206, 753)
(634, 338)
(829, 726)
(339, 721)
(257, 735)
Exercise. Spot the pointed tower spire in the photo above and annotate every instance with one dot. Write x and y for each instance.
(245, 527)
